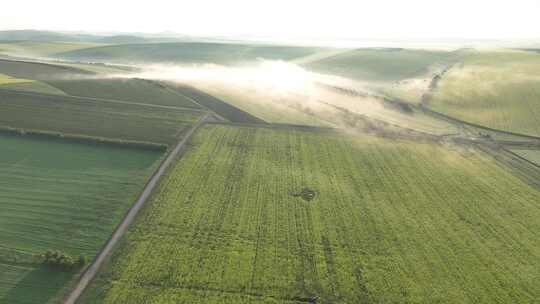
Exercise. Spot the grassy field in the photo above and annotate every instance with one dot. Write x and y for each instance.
(497, 89)
(61, 196)
(46, 71)
(59, 79)
(319, 106)
(264, 105)
(132, 90)
(227, 110)
(5, 79)
(40, 49)
(381, 65)
(531, 155)
(88, 117)
(7, 82)
(218, 53)
(282, 216)
(405, 74)
(39, 71)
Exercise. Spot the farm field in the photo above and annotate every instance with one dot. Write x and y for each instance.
(381, 65)
(188, 52)
(39, 49)
(94, 118)
(39, 70)
(59, 195)
(318, 106)
(259, 104)
(405, 74)
(497, 89)
(265, 215)
(75, 80)
(7, 82)
(227, 110)
(126, 89)
(5, 79)
(531, 155)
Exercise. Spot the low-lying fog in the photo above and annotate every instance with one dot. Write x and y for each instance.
(279, 91)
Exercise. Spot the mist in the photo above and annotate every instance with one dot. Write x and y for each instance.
(285, 92)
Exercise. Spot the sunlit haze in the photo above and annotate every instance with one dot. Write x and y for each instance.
(340, 19)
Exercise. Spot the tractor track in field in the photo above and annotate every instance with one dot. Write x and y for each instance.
(89, 274)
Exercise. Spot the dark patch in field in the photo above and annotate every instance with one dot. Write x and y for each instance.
(222, 108)
(398, 105)
(306, 194)
(363, 292)
(531, 50)
(38, 70)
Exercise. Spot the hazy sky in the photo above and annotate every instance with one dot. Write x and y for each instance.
(284, 18)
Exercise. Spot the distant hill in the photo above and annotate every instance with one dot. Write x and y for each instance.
(49, 36)
(122, 39)
(187, 52)
(32, 35)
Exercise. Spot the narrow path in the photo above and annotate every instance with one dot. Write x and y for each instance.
(93, 269)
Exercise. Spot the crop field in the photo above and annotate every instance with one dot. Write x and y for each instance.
(61, 196)
(264, 106)
(319, 106)
(531, 155)
(5, 79)
(7, 82)
(39, 49)
(381, 65)
(59, 79)
(497, 89)
(261, 215)
(133, 90)
(94, 118)
(218, 53)
(226, 110)
(38, 71)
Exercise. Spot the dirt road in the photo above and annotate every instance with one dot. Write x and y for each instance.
(92, 270)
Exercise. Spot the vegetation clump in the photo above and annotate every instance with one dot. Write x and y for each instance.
(306, 194)
(60, 260)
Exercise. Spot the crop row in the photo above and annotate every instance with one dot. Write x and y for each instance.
(389, 221)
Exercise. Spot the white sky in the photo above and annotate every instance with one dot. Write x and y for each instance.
(284, 18)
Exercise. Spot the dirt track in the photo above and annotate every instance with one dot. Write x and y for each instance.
(93, 269)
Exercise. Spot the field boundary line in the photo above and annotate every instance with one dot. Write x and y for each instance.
(89, 274)
(29, 61)
(306, 128)
(525, 170)
(521, 157)
(457, 120)
(88, 99)
(204, 108)
(81, 138)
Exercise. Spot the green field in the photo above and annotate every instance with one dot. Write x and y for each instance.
(133, 90)
(94, 118)
(218, 53)
(7, 82)
(260, 215)
(40, 49)
(62, 196)
(497, 89)
(381, 65)
(87, 81)
(531, 155)
(319, 106)
(5, 79)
